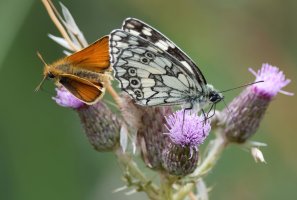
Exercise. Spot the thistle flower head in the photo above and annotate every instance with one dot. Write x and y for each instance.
(178, 160)
(148, 125)
(102, 127)
(65, 99)
(246, 111)
(187, 129)
(274, 81)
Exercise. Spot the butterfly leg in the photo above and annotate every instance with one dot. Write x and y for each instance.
(213, 107)
(205, 118)
(186, 109)
(207, 115)
(204, 115)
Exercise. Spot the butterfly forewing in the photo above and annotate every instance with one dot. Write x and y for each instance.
(141, 29)
(95, 57)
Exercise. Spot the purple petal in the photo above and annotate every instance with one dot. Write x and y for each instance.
(274, 81)
(187, 129)
(66, 99)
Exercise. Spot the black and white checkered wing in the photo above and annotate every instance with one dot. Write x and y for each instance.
(149, 74)
(141, 29)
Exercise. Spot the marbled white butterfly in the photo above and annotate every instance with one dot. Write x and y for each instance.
(154, 71)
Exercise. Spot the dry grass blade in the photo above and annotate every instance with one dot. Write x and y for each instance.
(53, 13)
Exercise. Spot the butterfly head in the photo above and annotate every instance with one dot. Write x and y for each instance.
(213, 95)
(48, 72)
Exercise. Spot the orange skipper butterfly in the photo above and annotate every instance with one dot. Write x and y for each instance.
(84, 73)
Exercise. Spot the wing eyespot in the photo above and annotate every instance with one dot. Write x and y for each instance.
(138, 93)
(132, 71)
(134, 82)
(149, 55)
(144, 60)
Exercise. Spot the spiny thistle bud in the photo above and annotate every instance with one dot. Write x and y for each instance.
(101, 126)
(246, 111)
(149, 124)
(180, 161)
(186, 132)
(151, 135)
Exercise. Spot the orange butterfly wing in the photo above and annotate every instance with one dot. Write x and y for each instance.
(84, 90)
(95, 57)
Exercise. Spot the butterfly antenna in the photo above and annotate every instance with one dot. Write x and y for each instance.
(42, 60)
(40, 84)
(242, 86)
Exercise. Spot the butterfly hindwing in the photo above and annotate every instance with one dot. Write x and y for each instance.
(84, 90)
(141, 29)
(152, 78)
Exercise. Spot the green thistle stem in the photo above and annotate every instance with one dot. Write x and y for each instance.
(216, 148)
(144, 183)
(184, 191)
(166, 186)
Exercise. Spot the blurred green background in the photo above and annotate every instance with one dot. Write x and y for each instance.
(44, 153)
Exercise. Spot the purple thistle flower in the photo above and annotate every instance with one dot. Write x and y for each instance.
(187, 129)
(246, 111)
(65, 99)
(186, 132)
(274, 81)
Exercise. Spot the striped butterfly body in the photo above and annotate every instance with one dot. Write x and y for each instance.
(154, 71)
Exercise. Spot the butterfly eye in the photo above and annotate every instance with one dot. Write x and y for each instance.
(50, 75)
(138, 94)
(149, 55)
(132, 71)
(135, 83)
(215, 97)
